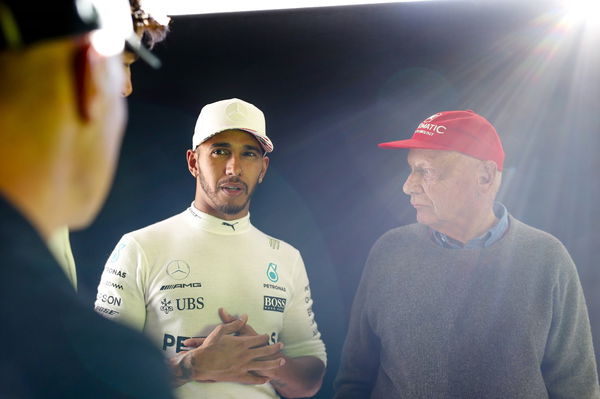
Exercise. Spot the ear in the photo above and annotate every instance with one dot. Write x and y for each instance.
(488, 173)
(263, 172)
(87, 80)
(192, 162)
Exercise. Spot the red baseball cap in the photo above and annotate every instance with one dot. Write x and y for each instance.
(462, 131)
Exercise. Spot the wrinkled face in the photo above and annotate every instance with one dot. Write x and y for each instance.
(443, 189)
(227, 167)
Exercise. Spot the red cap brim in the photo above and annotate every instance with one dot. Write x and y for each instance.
(412, 143)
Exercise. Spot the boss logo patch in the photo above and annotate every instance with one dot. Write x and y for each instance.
(274, 304)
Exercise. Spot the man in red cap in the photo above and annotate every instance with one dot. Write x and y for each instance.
(469, 302)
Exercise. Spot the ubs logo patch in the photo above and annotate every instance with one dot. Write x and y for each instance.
(274, 304)
(166, 306)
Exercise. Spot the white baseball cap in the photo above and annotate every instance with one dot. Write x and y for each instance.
(228, 115)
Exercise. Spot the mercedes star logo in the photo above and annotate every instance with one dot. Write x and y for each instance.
(236, 112)
(178, 269)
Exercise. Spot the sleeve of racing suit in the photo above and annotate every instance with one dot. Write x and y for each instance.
(300, 333)
(121, 290)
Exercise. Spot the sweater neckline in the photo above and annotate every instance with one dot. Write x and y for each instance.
(427, 234)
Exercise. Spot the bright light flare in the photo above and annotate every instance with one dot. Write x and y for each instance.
(157, 9)
(194, 7)
(114, 17)
(582, 12)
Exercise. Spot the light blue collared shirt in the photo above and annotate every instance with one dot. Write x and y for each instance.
(483, 241)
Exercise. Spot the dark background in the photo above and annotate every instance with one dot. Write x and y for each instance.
(334, 82)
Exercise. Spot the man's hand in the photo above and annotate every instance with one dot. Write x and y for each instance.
(245, 330)
(223, 357)
(299, 377)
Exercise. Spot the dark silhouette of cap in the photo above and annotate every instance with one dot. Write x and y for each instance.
(23, 23)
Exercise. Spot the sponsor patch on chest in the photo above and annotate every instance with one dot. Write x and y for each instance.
(274, 304)
(184, 285)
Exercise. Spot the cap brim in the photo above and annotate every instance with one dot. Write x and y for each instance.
(411, 143)
(264, 142)
(134, 44)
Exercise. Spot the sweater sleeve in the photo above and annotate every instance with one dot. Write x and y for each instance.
(569, 366)
(360, 356)
(120, 292)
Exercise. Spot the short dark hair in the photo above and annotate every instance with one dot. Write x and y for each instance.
(152, 31)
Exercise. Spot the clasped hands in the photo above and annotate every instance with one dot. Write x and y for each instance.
(245, 357)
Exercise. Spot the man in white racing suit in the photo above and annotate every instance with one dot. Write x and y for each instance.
(178, 279)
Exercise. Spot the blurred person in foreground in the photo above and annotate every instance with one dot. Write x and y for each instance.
(150, 29)
(62, 116)
(469, 302)
(175, 278)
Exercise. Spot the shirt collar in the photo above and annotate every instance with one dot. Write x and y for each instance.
(483, 241)
(217, 225)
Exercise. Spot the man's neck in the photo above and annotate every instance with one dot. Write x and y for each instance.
(218, 214)
(476, 228)
(34, 191)
(32, 211)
